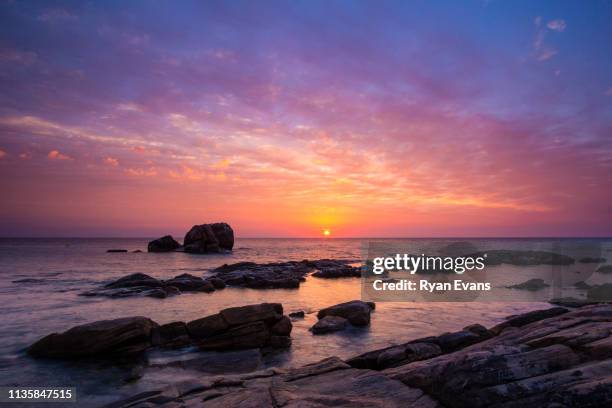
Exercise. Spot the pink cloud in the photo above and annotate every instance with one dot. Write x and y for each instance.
(557, 25)
(56, 155)
(111, 161)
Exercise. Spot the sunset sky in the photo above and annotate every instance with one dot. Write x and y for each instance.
(422, 118)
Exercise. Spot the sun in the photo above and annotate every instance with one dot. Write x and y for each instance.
(326, 232)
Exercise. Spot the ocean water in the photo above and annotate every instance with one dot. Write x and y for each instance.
(41, 279)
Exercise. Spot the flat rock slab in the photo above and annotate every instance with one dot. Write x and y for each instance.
(281, 274)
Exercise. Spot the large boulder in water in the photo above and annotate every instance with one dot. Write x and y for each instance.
(163, 244)
(244, 327)
(356, 312)
(207, 238)
(128, 335)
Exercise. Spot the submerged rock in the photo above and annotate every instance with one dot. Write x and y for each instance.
(163, 244)
(221, 362)
(297, 315)
(600, 293)
(605, 269)
(592, 260)
(329, 324)
(523, 258)
(531, 284)
(338, 272)
(116, 250)
(128, 335)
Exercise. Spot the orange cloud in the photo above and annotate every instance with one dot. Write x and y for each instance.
(111, 161)
(56, 155)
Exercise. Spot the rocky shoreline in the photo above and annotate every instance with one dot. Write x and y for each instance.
(555, 357)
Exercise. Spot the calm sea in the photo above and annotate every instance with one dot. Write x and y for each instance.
(53, 272)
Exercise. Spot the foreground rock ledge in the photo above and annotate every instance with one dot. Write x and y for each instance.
(244, 327)
(549, 358)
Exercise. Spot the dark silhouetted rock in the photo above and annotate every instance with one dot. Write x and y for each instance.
(163, 244)
(600, 293)
(135, 279)
(523, 258)
(329, 324)
(171, 335)
(190, 283)
(297, 315)
(456, 249)
(555, 360)
(282, 327)
(592, 260)
(216, 282)
(526, 318)
(102, 338)
(251, 326)
(116, 250)
(207, 238)
(338, 272)
(605, 269)
(356, 312)
(531, 284)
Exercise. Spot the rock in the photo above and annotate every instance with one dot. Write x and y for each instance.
(582, 285)
(137, 251)
(275, 275)
(282, 327)
(158, 293)
(554, 360)
(605, 269)
(207, 238)
(456, 249)
(329, 324)
(116, 250)
(248, 335)
(252, 326)
(170, 335)
(338, 272)
(523, 258)
(279, 341)
(454, 341)
(531, 284)
(526, 318)
(600, 293)
(163, 244)
(135, 279)
(207, 326)
(356, 312)
(216, 282)
(190, 283)
(592, 260)
(571, 302)
(297, 315)
(102, 338)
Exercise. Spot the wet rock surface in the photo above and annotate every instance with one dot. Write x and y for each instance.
(140, 284)
(276, 275)
(553, 358)
(356, 312)
(130, 335)
(245, 327)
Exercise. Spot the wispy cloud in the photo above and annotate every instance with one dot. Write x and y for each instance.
(557, 25)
